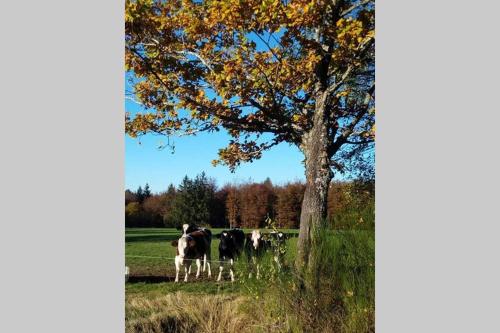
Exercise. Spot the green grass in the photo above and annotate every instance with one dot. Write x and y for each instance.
(157, 270)
(346, 288)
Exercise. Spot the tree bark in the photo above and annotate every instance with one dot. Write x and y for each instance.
(318, 175)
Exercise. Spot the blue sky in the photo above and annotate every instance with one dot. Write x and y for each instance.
(145, 163)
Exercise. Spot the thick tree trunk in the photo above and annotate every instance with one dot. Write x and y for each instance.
(318, 176)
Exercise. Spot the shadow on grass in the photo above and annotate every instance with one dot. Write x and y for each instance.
(150, 278)
(143, 278)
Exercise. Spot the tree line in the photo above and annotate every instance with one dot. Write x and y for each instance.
(246, 205)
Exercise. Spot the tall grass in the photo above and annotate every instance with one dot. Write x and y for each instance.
(185, 313)
(340, 283)
(336, 293)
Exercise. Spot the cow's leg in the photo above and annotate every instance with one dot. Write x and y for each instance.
(189, 272)
(221, 267)
(204, 262)
(209, 270)
(198, 266)
(177, 268)
(258, 271)
(208, 256)
(187, 266)
(231, 270)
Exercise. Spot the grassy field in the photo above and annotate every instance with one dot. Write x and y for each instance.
(273, 304)
(142, 243)
(149, 256)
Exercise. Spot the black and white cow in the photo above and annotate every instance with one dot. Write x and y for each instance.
(191, 246)
(230, 247)
(187, 229)
(255, 247)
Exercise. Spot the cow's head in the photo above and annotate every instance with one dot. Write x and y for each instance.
(255, 237)
(183, 245)
(226, 240)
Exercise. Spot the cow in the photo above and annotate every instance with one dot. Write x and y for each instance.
(191, 246)
(255, 247)
(189, 228)
(230, 247)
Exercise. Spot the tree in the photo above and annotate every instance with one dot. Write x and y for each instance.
(147, 191)
(232, 207)
(219, 209)
(203, 203)
(129, 197)
(194, 201)
(139, 194)
(181, 208)
(133, 215)
(255, 204)
(299, 71)
(169, 198)
(156, 207)
(288, 203)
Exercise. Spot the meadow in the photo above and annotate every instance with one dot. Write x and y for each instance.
(141, 243)
(343, 278)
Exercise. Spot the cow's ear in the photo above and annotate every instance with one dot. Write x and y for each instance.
(217, 236)
(191, 243)
(174, 243)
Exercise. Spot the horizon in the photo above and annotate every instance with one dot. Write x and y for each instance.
(235, 182)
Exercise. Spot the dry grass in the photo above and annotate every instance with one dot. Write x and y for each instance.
(184, 312)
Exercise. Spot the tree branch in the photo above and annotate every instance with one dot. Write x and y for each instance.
(203, 61)
(360, 113)
(334, 147)
(332, 88)
(359, 142)
(364, 46)
(267, 44)
(355, 6)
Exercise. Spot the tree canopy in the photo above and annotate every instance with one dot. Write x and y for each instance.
(194, 201)
(253, 67)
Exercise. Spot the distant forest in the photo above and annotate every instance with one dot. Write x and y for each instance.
(247, 205)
